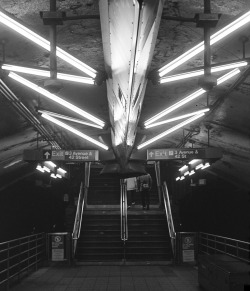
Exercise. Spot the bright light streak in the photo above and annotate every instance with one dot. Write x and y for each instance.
(55, 98)
(24, 31)
(239, 22)
(205, 166)
(228, 76)
(183, 168)
(170, 130)
(75, 131)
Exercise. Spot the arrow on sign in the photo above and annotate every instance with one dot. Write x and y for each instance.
(47, 154)
(151, 154)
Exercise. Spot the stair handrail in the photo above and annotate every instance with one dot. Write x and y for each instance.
(169, 216)
(78, 217)
(124, 214)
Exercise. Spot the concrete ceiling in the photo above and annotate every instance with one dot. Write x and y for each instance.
(228, 120)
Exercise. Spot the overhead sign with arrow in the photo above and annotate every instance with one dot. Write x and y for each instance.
(184, 153)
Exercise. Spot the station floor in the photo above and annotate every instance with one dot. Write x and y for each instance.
(131, 277)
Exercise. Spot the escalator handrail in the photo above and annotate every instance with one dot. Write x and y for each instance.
(78, 217)
(124, 218)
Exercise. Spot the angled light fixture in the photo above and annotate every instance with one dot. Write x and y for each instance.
(55, 98)
(159, 136)
(205, 166)
(183, 168)
(195, 73)
(24, 31)
(177, 118)
(46, 73)
(61, 170)
(199, 166)
(46, 169)
(39, 168)
(75, 131)
(193, 161)
(50, 163)
(190, 98)
(182, 178)
(53, 176)
(186, 173)
(191, 173)
(69, 118)
(59, 176)
(239, 22)
(178, 178)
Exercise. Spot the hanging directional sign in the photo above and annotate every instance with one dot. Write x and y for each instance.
(183, 153)
(61, 155)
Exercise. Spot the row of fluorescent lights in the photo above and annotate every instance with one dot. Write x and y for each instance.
(238, 23)
(51, 168)
(195, 164)
(195, 115)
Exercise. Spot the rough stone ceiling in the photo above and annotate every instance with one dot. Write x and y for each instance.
(229, 121)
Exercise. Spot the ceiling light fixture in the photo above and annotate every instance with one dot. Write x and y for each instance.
(75, 131)
(59, 176)
(53, 176)
(39, 168)
(163, 134)
(46, 169)
(186, 173)
(178, 178)
(24, 31)
(239, 22)
(61, 170)
(183, 168)
(205, 166)
(182, 178)
(191, 74)
(199, 166)
(55, 98)
(177, 118)
(50, 164)
(193, 161)
(69, 118)
(190, 98)
(46, 73)
(191, 173)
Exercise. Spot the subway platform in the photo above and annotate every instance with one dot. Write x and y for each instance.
(132, 277)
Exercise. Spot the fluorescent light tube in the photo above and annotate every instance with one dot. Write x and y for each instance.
(193, 161)
(199, 166)
(61, 170)
(159, 136)
(24, 31)
(46, 169)
(182, 178)
(205, 166)
(69, 118)
(178, 178)
(183, 168)
(189, 98)
(191, 173)
(228, 76)
(55, 98)
(244, 19)
(53, 176)
(75, 131)
(191, 74)
(59, 176)
(177, 118)
(186, 173)
(50, 164)
(46, 73)
(175, 106)
(39, 168)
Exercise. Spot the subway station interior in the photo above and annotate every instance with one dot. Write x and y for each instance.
(95, 94)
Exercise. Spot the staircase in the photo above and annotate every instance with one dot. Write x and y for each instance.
(100, 238)
(148, 237)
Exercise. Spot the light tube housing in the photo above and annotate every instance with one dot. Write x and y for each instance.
(177, 118)
(75, 131)
(239, 22)
(172, 129)
(24, 31)
(195, 73)
(189, 98)
(55, 98)
(69, 118)
(46, 73)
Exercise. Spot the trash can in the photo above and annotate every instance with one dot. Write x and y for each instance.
(59, 246)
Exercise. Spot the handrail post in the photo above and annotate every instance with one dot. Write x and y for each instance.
(158, 181)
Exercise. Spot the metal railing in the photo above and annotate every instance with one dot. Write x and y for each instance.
(124, 214)
(78, 218)
(169, 216)
(80, 206)
(19, 257)
(215, 244)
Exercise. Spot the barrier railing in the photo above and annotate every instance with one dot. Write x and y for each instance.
(215, 244)
(19, 257)
(124, 216)
(169, 217)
